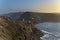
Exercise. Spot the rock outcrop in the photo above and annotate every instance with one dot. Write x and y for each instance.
(14, 30)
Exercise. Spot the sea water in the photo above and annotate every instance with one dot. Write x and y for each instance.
(51, 30)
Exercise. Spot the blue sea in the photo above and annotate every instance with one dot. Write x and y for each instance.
(50, 29)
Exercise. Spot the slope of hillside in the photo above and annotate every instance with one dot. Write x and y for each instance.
(29, 16)
(13, 30)
(34, 17)
(13, 15)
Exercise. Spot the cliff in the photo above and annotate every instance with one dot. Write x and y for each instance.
(18, 30)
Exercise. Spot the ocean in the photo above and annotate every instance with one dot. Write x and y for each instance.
(51, 30)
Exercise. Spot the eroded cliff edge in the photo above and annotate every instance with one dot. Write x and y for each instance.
(14, 30)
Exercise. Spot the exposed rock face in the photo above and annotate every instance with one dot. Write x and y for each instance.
(13, 30)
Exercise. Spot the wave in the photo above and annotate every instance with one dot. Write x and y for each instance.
(49, 36)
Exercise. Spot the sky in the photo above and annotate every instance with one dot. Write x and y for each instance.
(29, 5)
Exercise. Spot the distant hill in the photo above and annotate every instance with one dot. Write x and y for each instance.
(13, 15)
(34, 17)
(40, 17)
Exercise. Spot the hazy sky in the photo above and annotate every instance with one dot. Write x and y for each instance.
(29, 5)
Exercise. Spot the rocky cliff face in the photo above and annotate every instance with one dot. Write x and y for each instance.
(13, 30)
